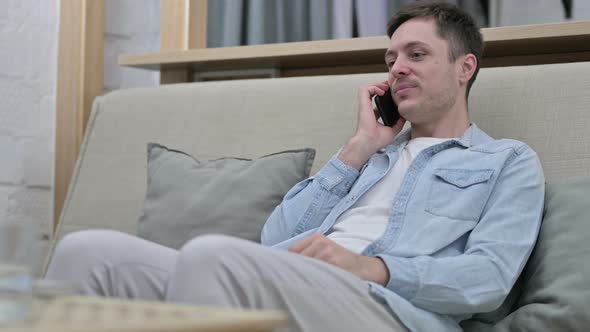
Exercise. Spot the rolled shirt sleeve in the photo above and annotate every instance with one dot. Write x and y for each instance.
(308, 203)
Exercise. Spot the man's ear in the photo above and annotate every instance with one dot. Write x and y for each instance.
(466, 68)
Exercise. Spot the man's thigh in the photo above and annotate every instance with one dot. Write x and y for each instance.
(110, 263)
(225, 271)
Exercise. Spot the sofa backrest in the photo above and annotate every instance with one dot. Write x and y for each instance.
(546, 106)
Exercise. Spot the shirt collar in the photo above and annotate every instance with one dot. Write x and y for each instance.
(471, 137)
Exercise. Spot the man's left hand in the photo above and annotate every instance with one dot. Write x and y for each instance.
(318, 246)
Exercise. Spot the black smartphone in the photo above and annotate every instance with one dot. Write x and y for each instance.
(387, 109)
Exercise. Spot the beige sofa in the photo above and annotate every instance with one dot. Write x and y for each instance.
(546, 106)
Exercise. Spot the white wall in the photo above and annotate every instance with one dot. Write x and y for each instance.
(28, 64)
(131, 26)
(28, 67)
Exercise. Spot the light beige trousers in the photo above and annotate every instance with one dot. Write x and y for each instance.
(221, 271)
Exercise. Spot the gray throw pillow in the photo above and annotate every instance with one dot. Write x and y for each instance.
(186, 197)
(556, 281)
(490, 318)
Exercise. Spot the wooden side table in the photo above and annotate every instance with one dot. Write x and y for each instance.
(89, 314)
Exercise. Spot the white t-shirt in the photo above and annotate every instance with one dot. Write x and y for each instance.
(366, 220)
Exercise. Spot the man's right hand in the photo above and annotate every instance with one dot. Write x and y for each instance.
(370, 136)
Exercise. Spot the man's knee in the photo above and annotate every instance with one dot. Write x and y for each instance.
(210, 250)
(225, 267)
(85, 241)
(80, 248)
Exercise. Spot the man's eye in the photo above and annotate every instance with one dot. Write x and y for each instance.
(390, 63)
(417, 55)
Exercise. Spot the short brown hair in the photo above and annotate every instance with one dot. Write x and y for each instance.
(453, 24)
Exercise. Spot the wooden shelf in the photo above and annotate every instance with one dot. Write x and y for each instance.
(288, 55)
(504, 46)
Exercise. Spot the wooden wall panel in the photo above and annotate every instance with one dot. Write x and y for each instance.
(183, 26)
(79, 81)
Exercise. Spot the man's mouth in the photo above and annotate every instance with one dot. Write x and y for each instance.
(402, 88)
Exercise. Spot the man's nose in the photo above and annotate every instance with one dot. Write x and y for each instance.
(400, 68)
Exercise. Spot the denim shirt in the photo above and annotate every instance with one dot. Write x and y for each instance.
(460, 230)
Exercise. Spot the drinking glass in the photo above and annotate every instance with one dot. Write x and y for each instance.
(16, 250)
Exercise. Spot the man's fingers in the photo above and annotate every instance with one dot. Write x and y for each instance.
(299, 246)
(383, 85)
(309, 251)
(376, 88)
(367, 93)
(376, 91)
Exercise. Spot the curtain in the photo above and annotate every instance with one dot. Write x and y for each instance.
(251, 22)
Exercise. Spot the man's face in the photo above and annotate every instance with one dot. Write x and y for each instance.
(423, 80)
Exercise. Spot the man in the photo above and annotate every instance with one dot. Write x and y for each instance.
(415, 231)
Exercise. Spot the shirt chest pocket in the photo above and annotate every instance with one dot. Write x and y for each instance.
(459, 193)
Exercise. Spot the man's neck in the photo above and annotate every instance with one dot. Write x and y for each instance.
(453, 124)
